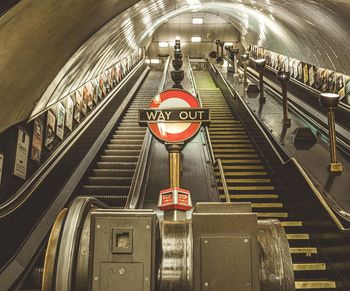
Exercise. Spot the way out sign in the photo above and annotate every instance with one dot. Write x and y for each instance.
(174, 116)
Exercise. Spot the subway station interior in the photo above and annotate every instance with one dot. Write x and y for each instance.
(175, 145)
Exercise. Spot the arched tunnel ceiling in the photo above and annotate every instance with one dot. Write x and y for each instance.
(49, 47)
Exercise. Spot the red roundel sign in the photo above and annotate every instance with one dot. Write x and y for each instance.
(174, 116)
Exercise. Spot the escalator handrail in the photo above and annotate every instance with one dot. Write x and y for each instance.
(32, 183)
(140, 170)
(332, 212)
(215, 162)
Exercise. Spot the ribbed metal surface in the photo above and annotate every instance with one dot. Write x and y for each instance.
(248, 180)
(110, 178)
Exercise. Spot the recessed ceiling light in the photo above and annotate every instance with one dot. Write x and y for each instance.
(197, 20)
(163, 44)
(228, 44)
(196, 39)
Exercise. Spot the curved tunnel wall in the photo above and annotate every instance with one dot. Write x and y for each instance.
(51, 47)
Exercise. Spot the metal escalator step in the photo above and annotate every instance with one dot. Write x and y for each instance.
(133, 133)
(233, 145)
(119, 158)
(251, 196)
(123, 147)
(249, 188)
(126, 141)
(94, 190)
(232, 140)
(298, 236)
(309, 266)
(110, 181)
(112, 173)
(228, 139)
(121, 152)
(249, 181)
(291, 223)
(272, 214)
(242, 174)
(244, 167)
(116, 165)
(130, 129)
(303, 250)
(228, 151)
(267, 205)
(241, 161)
(127, 137)
(319, 285)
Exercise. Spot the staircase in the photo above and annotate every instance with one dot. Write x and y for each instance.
(110, 178)
(248, 180)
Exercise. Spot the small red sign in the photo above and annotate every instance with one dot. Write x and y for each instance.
(167, 199)
(175, 132)
(175, 199)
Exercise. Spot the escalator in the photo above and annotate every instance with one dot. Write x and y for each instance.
(110, 178)
(249, 180)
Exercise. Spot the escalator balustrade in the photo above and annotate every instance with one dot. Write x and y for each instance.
(248, 180)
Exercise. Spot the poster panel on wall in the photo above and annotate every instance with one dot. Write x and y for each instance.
(295, 69)
(37, 142)
(77, 106)
(339, 85)
(306, 73)
(285, 64)
(102, 88)
(331, 82)
(300, 72)
(69, 113)
(110, 78)
(106, 81)
(324, 87)
(113, 77)
(21, 156)
(119, 72)
(318, 78)
(346, 99)
(291, 67)
(311, 76)
(83, 101)
(61, 114)
(50, 129)
(95, 89)
(1, 165)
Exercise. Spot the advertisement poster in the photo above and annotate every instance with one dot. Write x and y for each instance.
(291, 67)
(106, 81)
(1, 165)
(61, 114)
(119, 72)
(346, 99)
(113, 76)
(324, 87)
(102, 88)
(50, 130)
(83, 101)
(295, 69)
(90, 98)
(37, 143)
(339, 85)
(318, 78)
(300, 71)
(95, 89)
(306, 73)
(279, 62)
(77, 106)
(286, 64)
(21, 157)
(331, 82)
(312, 76)
(69, 113)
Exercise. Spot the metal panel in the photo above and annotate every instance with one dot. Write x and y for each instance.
(225, 263)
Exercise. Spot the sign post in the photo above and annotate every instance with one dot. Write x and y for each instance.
(174, 117)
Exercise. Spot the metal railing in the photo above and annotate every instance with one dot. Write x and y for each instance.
(140, 170)
(215, 162)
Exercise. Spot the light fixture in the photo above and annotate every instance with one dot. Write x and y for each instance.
(153, 61)
(197, 20)
(196, 39)
(163, 44)
(228, 44)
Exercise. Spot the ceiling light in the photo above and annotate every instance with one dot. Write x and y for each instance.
(163, 44)
(196, 39)
(154, 61)
(228, 44)
(197, 20)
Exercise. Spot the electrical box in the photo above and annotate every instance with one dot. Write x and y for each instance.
(124, 245)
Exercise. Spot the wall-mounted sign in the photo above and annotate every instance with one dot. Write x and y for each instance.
(69, 113)
(174, 116)
(61, 114)
(312, 76)
(21, 156)
(50, 130)
(306, 74)
(1, 165)
(37, 142)
(77, 106)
